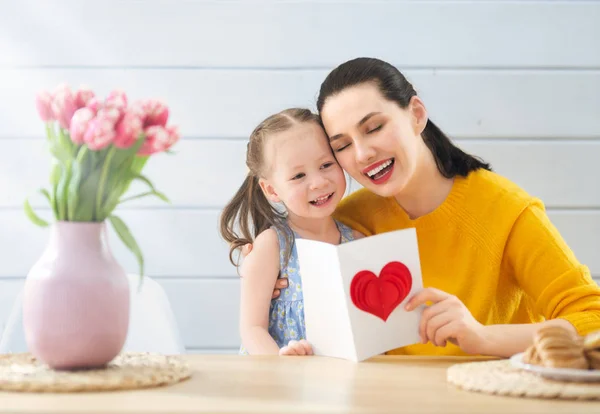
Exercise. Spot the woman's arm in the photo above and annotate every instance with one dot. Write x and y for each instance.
(259, 273)
(447, 319)
(507, 340)
(547, 271)
(550, 274)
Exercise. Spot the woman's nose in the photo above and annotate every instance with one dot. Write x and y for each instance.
(364, 153)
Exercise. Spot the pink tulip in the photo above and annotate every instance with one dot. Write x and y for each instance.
(79, 124)
(128, 130)
(174, 136)
(116, 99)
(100, 133)
(94, 104)
(159, 139)
(63, 106)
(43, 102)
(112, 113)
(157, 113)
(83, 96)
(154, 135)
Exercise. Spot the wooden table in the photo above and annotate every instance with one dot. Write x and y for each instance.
(242, 384)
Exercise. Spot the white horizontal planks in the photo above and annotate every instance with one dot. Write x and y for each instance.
(175, 242)
(207, 311)
(9, 289)
(299, 34)
(206, 173)
(564, 174)
(230, 103)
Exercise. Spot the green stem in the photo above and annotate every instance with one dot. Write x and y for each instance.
(105, 168)
(82, 152)
(65, 142)
(54, 179)
(63, 188)
(49, 131)
(73, 188)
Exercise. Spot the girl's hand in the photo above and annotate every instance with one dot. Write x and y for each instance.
(301, 347)
(281, 283)
(447, 320)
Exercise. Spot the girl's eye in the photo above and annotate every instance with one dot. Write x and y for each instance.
(298, 176)
(327, 165)
(377, 128)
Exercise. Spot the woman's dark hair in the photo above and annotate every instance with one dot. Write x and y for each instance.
(451, 160)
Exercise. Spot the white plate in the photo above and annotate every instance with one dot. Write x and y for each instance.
(562, 374)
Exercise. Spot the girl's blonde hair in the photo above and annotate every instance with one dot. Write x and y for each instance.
(249, 209)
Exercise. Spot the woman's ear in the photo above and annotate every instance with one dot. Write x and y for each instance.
(418, 113)
(268, 190)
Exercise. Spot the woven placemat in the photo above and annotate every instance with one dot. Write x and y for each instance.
(501, 378)
(23, 372)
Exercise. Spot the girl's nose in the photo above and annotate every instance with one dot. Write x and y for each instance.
(318, 182)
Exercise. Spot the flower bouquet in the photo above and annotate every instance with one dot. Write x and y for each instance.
(76, 296)
(99, 147)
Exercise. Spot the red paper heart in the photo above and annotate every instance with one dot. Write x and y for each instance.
(381, 295)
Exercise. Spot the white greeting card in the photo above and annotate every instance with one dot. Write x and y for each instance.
(354, 294)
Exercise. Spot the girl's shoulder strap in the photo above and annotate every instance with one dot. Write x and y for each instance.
(345, 231)
(282, 234)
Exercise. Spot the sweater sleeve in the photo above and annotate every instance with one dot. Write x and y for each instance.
(548, 271)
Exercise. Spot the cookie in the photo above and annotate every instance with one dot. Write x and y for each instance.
(592, 341)
(593, 357)
(560, 348)
(531, 356)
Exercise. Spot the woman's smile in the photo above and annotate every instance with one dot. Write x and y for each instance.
(380, 172)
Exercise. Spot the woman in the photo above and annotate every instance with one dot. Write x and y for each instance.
(494, 266)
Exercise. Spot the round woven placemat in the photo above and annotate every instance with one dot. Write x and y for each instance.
(499, 377)
(23, 372)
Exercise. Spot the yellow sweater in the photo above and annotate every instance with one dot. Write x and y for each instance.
(491, 245)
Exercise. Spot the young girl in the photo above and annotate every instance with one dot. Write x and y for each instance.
(291, 164)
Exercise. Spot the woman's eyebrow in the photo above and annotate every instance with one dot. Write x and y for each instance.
(367, 117)
(333, 138)
(362, 121)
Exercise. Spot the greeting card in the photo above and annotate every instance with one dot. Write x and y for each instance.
(354, 294)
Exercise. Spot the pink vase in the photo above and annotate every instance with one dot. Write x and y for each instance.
(76, 299)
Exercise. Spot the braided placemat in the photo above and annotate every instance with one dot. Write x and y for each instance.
(501, 378)
(23, 372)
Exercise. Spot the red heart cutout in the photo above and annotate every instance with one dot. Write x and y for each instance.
(379, 296)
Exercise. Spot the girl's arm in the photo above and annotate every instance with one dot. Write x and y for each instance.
(259, 273)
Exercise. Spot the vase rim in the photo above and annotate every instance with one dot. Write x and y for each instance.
(79, 223)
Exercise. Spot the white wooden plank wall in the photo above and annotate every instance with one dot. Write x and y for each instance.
(517, 83)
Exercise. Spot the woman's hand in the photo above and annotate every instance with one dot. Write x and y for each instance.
(281, 283)
(301, 347)
(447, 319)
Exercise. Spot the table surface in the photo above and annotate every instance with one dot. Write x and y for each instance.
(270, 384)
